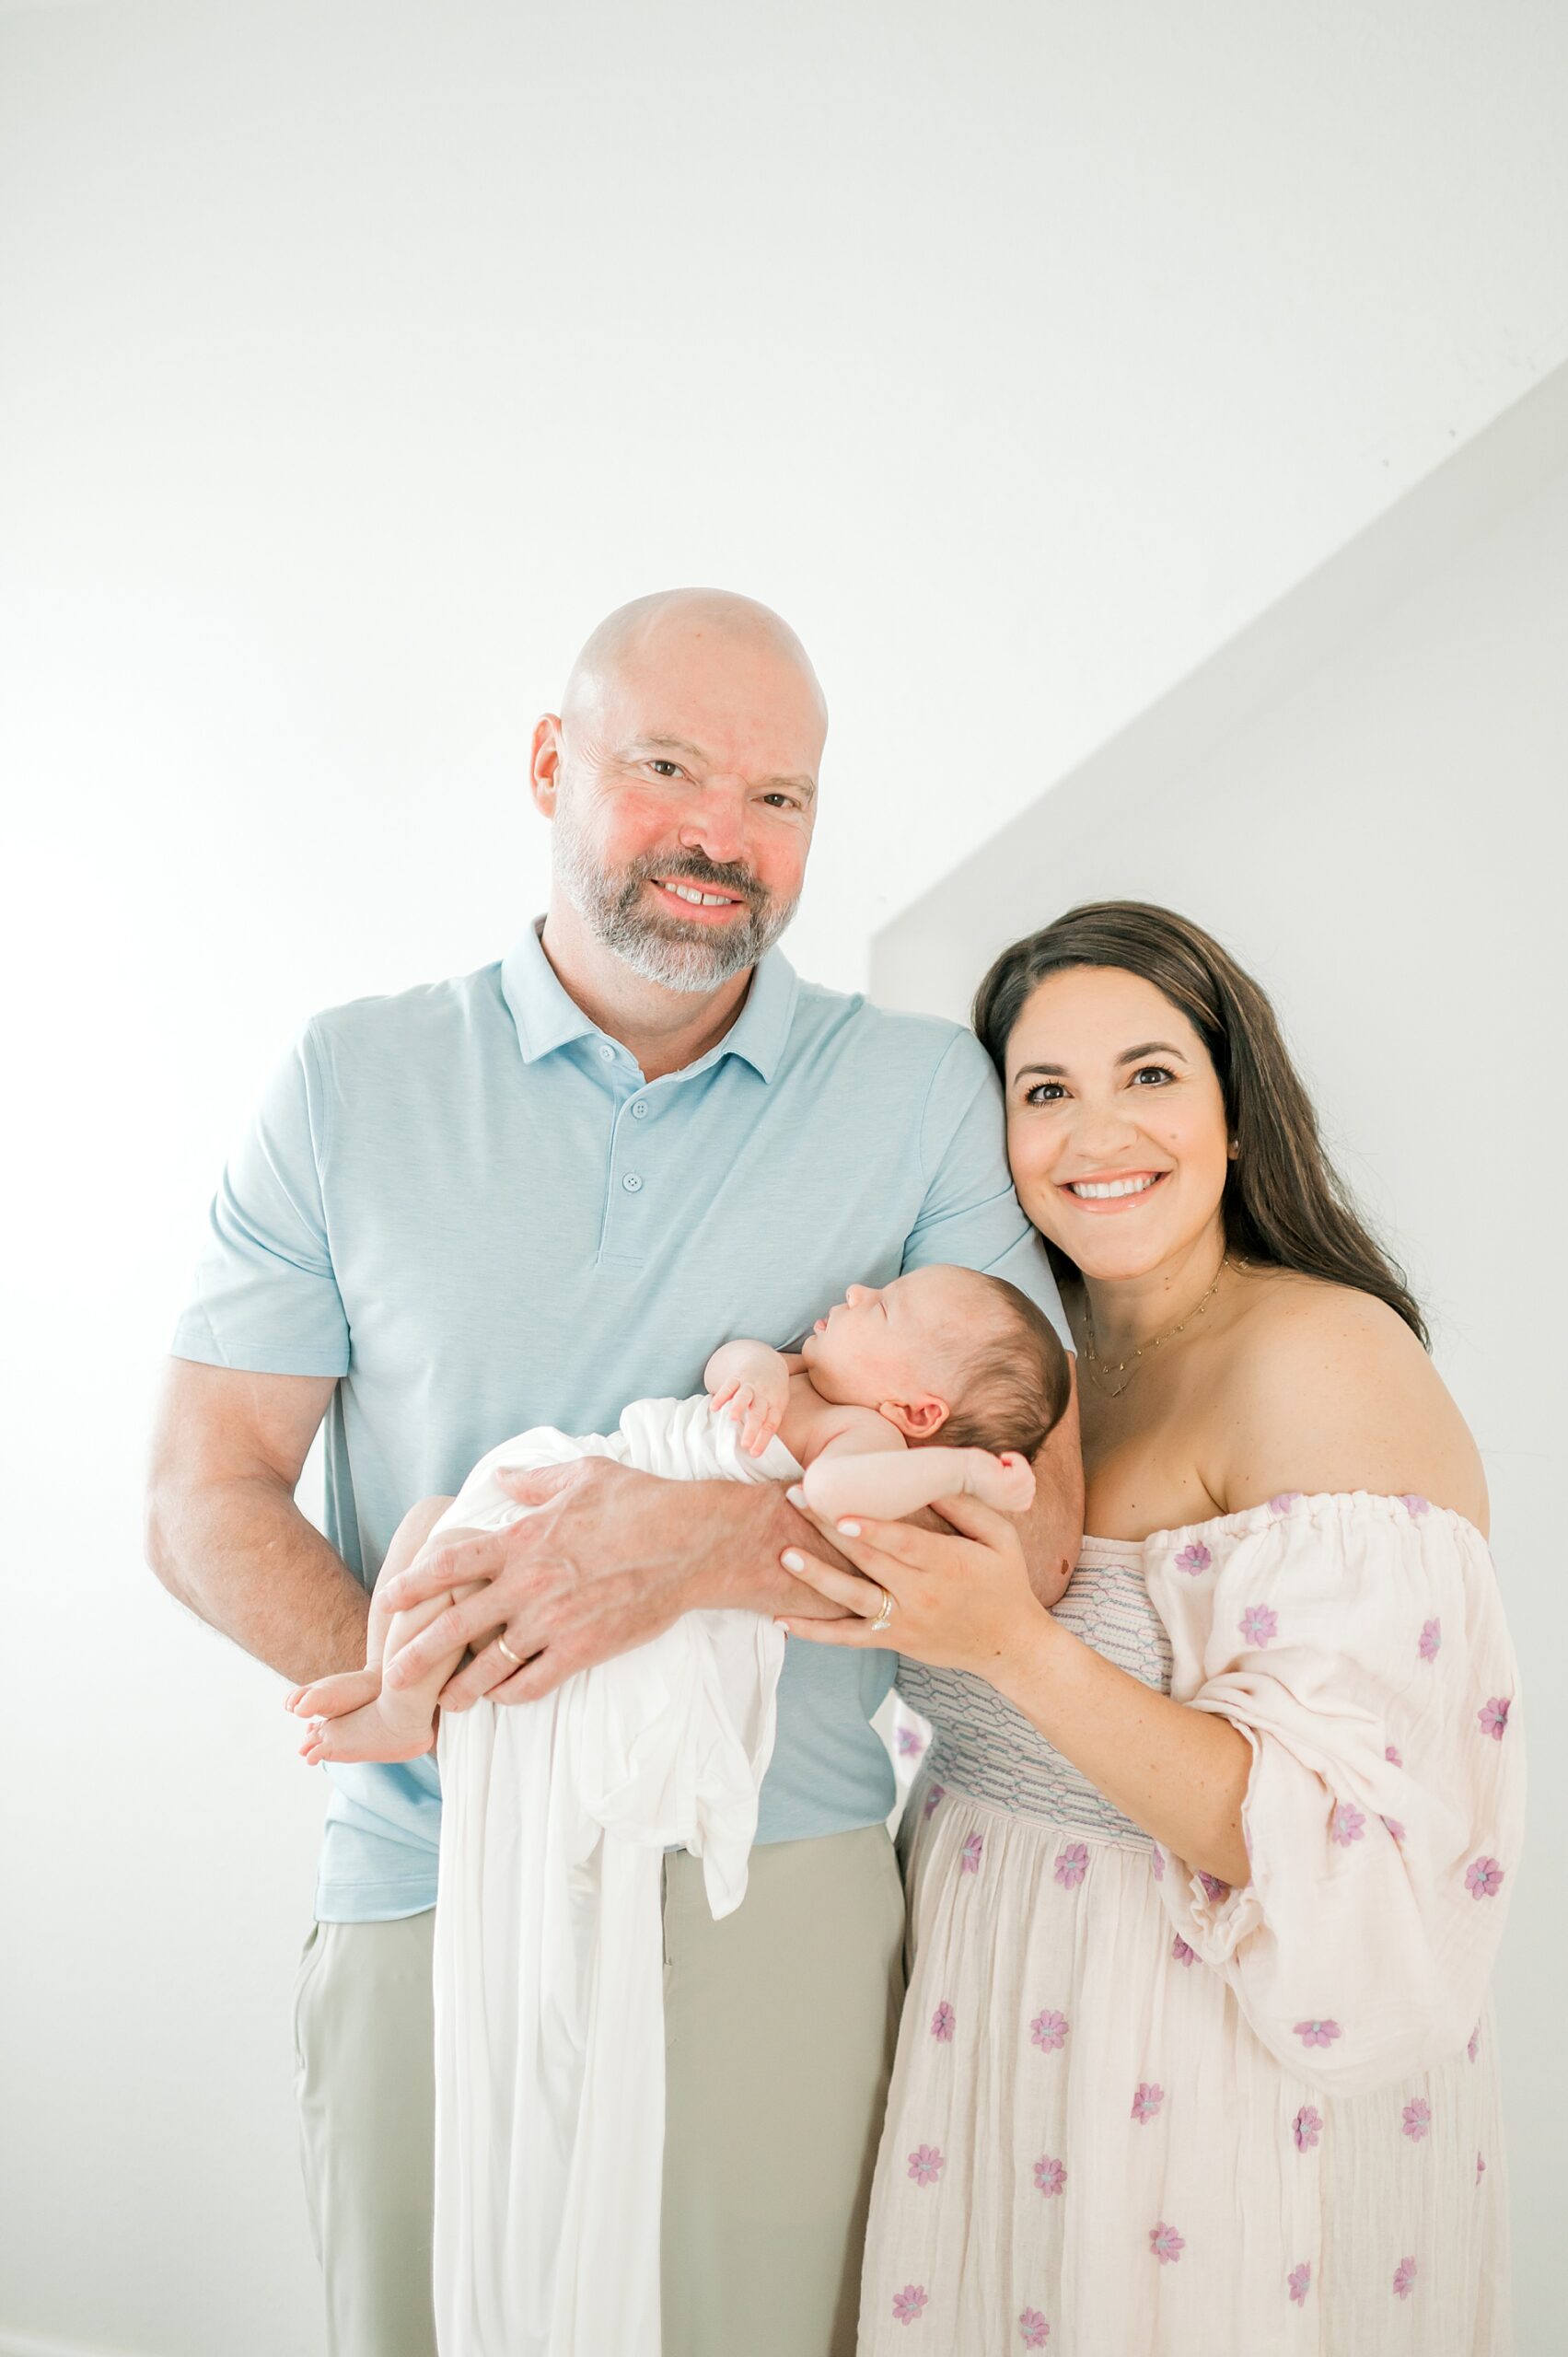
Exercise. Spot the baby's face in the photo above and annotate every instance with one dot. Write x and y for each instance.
(900, 1342)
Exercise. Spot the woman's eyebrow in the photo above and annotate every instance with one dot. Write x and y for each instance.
(1149, 1048)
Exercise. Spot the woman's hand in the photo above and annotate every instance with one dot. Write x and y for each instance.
(962, 1602)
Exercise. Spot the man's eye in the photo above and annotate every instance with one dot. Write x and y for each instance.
(783, 801)
(665, 769)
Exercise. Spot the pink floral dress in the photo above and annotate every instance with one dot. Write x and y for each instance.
(1136, 2113)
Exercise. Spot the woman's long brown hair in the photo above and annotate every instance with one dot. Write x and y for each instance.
(1285, 1205)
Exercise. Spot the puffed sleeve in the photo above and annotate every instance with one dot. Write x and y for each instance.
(1358, 1643)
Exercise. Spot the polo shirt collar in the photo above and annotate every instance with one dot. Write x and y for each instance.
(548, 1018)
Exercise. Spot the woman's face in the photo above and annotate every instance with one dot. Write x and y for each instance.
(1116, 1124)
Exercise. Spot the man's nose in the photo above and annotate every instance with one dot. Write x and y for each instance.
(718, 829)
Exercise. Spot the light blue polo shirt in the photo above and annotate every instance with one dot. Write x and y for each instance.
(467, 1203)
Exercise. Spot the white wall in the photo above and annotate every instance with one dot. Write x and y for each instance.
(357, 358)
(1381, 838)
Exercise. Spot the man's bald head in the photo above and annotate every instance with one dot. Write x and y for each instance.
(680, 779)
(673, 627)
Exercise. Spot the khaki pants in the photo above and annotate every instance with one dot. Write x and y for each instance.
(779, 2029)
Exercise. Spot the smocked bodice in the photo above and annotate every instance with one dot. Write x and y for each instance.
(983, 1747)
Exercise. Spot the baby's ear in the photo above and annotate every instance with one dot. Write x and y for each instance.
(920, 1418)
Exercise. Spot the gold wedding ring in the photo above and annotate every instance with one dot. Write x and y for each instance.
(886, 1612)
(507, 1650)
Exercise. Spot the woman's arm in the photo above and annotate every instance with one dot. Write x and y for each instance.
(966, 1603)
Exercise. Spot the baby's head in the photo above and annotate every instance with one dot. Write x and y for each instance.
(948, 1355)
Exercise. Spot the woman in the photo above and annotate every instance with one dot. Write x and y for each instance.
(1207, 1868)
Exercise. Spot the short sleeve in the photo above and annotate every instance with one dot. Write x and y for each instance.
(1359, 1645)
(264, 1296)
(969, 1217)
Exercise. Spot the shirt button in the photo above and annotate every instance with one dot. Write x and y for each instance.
(605, 1052)
(631, 1183)
(639, 1111)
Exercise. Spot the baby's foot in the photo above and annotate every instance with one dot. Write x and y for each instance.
(332, 1698)
(382, 1728)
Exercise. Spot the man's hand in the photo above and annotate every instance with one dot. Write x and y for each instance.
(611, 1558)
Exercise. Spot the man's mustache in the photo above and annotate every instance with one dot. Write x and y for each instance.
(690, 869)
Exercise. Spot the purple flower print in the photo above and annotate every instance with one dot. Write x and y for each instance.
(1483, 1878)
(1157, 1863)
(1418, 2120)
(1404, 2276)
(1194, 1559)
(933, 1800)
(1182, 1951)
(973, 1850)
(926, 2164)
(908, 2303)
(1033, 2329)
(1146, 2102)
(1347, 1825)
(942, 2023)
(1492, 1717)
(1395, 1829)
(1480, 2168)
(912, 1743)
(1431, 1638)
(1167, 2244)
(1474, 2048)
(1300, 2283)
(1391, 1753)
(1306, 2127)
(1217, 1891)
(1049, 2031)
(1259, 1622)
(1284, 1503)
(1412, 1505)
(1071, 1865)
(1318, 2033)
(1050, 2176)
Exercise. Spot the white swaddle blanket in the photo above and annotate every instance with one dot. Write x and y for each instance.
(548, 1968)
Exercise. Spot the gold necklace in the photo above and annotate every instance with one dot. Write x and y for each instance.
(1128, 1367)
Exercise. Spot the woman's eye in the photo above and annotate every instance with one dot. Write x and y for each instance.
(1044, 1092)
(1153, 1072)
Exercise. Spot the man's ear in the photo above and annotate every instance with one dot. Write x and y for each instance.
(917, 1419)
(544, 764)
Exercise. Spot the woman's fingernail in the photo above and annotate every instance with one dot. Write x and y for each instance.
(780, 1624)
(797, 1495)
(792, 1559)
(850, 1530)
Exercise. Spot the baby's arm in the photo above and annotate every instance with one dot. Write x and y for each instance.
(889, 1486)
(752, 1382)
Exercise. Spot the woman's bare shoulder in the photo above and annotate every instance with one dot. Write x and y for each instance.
(1328, 1389)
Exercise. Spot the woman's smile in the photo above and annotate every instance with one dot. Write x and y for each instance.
(1121, 1190)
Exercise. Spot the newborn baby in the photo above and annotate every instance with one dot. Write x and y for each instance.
(548, 1971)
(943, 1383)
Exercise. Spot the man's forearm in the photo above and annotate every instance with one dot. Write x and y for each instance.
(240, 1554)
(736, 1533)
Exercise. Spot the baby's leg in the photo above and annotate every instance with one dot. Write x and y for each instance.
(889, 1486)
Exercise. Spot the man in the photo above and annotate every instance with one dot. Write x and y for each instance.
(527, 1196)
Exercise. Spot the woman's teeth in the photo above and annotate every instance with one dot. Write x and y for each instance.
(1098, 1191)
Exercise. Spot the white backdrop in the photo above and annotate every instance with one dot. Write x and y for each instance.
(356, 359)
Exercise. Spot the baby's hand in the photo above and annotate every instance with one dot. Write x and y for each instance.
(756, 1402)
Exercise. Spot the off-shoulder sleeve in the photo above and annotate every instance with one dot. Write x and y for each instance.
(1359, 1645)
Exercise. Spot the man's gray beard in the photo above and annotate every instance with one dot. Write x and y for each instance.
(659, 948)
